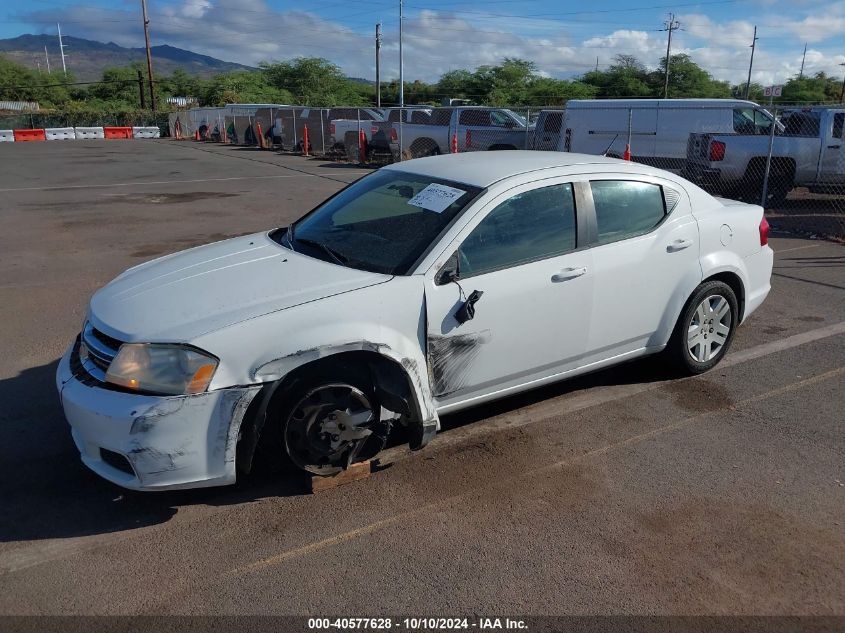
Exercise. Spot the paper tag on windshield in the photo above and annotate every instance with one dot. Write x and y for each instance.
(436, 197)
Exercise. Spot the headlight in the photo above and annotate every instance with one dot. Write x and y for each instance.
(160, 368)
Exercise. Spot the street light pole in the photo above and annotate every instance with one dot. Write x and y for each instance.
(401, 59)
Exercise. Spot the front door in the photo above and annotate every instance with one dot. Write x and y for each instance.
(521, 254)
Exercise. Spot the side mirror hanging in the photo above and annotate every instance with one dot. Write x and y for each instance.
(467, 310)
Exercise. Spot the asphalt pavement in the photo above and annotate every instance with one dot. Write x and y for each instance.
(628, 491)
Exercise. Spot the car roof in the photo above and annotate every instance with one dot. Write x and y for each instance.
(482, 169)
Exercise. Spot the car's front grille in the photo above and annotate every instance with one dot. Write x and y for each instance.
(93, 353)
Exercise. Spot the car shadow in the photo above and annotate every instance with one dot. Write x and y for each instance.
(48, 493)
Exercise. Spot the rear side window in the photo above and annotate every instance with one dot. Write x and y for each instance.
(533, 225)
(838, 124)
(552, 122)
(420, 116)
(626, 208)
(441, 117)
(475, 117)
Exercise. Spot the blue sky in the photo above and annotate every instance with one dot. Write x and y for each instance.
(563, 38)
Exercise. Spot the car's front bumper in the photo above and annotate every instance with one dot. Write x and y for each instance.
(147, 442)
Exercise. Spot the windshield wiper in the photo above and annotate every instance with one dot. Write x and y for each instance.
(340, 258)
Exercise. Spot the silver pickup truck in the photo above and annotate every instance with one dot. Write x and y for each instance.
(807, 151)
(471, 128)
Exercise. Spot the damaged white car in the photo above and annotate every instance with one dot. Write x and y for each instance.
(426, 287)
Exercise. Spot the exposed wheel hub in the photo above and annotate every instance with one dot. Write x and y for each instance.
(329, 427)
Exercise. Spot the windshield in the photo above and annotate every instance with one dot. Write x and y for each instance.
(381, 223)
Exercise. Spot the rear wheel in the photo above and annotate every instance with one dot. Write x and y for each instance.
(705, 328)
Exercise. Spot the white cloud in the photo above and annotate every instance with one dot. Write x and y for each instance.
(250, 31)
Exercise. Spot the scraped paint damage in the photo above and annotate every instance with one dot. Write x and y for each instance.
(450, 357)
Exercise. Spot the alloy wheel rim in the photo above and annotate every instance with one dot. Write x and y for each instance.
(709, 328)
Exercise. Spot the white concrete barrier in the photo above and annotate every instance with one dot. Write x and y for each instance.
(89, 132)
(59, 133)
(146, 132)
(7, 136)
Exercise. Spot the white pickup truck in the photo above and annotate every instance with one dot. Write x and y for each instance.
(351, 120)
(809, 151)
(473, 128)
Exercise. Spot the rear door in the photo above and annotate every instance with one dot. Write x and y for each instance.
(833, 150)
(646, 262)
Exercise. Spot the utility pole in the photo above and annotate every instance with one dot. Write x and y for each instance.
(401, 59)
(751, 64)
(804, 57)
(149, 55)
(47, 57)
(62, 49)
(378, 73)
(671, 25)
(141, 90)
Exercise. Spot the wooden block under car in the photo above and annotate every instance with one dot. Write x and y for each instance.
(361, 470)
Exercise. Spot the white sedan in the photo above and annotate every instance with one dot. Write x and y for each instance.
(427, 287)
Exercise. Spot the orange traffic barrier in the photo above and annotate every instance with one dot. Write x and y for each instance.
(305, 140)
(30, 135)
(627, 154)
(468, 140)
(197, 135)
(259, 134)
(455, 143)
(117, 132)
(362, 142)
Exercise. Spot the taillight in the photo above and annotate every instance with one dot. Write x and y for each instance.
(717, 150)
(764, 232)
(394, 137)
(468, 143)
(331, 129)
(374, 130)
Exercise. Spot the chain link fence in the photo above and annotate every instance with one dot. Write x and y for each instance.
(789, 160)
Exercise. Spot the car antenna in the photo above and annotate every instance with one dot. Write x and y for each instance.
(604, 153)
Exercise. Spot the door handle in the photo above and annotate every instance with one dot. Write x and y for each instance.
(678, 245)
(833, 146)
(569, 273)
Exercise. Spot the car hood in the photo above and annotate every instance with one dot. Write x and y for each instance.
(181, 296)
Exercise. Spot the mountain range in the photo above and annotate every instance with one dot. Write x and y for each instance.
(87, 59)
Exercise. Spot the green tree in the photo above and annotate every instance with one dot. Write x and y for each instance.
(313, 81)
(687, 79)
(242, 87)
(626, 77)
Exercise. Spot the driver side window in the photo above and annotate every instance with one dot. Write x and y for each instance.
(529, 226)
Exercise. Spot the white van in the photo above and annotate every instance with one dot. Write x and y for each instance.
(659, 128)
